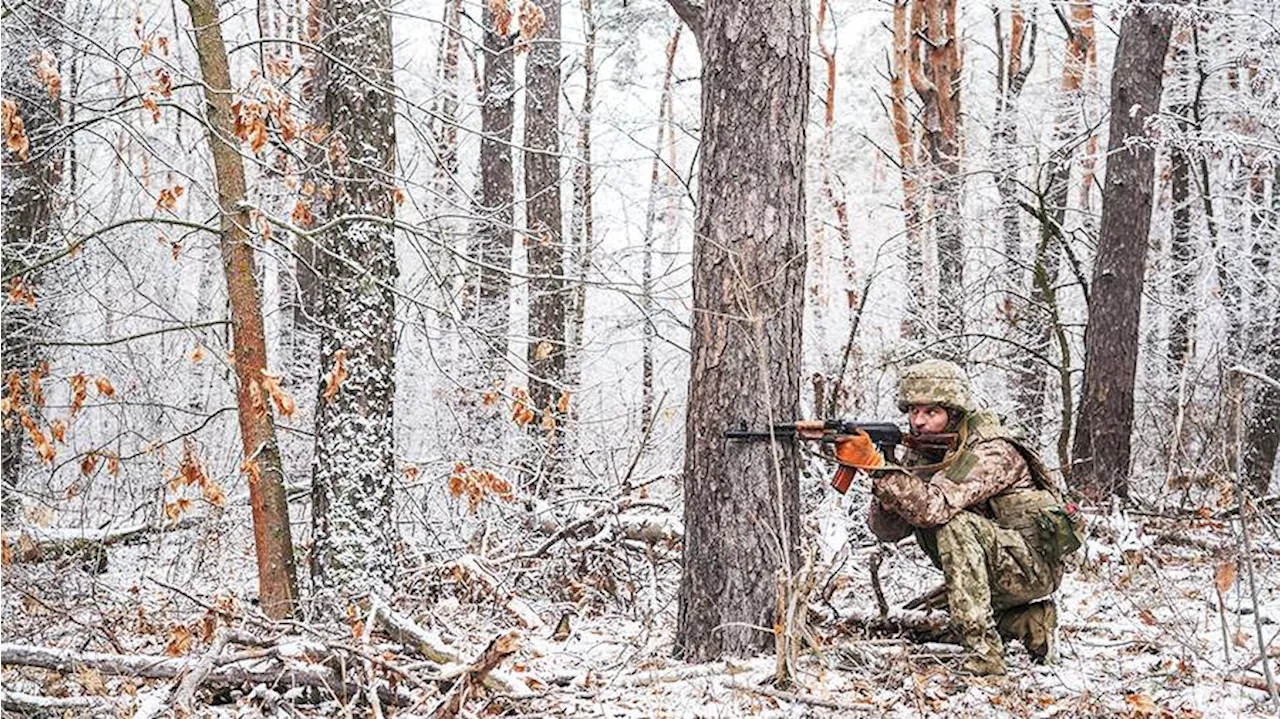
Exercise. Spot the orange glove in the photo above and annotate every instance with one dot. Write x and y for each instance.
(857, 450)
(854, 451)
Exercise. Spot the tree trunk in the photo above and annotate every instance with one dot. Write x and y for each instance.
(1111, 338)
(1263, 427)
(658, 189)
(277, 577)
(903, 64)
(582, 220)
(354, 469)
(741, 507)
(1182, 248)
(1035, 321)
(30, 182)
(493, 233)
(545, 245)
(937, 82)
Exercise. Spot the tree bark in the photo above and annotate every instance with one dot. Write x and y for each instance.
(742, 502)
(493, 229)
(1102, 442)
(277, 576)
(1262, 429)
(902, 65)
(546, 350)
(658, 189)
(30, 182)
(354, 469)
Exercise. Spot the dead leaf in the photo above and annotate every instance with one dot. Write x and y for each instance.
(92, 681)
(1141, 705)
(89, 463)
(336, 375)
(12, 127)
(1224, 577)
(196, 354)
(562, 405)
(542, 350)
(213, 494)
(46, 65)
(501, 17)
(179, 641)
(58, 430)
(1147, 617)
(79, 391)
(104, 387)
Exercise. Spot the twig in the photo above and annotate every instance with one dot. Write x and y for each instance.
(370, 690)
(1236, 393)
(806, 698)
(876, 559)
(499, 649)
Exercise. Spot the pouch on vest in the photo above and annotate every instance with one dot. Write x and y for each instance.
(1058, 533)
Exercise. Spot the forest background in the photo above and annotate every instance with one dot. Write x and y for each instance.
(455, 305)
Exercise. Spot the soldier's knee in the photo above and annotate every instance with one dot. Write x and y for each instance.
(965, 526)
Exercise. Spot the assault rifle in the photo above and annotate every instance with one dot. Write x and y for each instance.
(885, 435)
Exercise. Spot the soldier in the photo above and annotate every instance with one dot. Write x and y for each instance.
(984, 509)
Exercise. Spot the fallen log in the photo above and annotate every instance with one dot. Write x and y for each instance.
(920, 626)
(36, 705)
(498, 650)
(38, 544)
(277, 674)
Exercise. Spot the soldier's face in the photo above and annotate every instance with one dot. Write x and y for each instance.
(927, 418)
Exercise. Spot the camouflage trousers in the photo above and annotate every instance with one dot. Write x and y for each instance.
(988, 569)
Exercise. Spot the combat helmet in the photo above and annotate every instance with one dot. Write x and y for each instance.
(935, 381)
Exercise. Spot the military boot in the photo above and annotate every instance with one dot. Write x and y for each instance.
(984, 655)
(1034, 625)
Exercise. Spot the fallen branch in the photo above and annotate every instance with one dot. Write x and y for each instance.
(185, 695)
(498, 650)
(36, 705)
(469, 565)
(279, 675)
(806, 698)
(1248, 680)
(429, 644)
(919, 625)
(674, 674)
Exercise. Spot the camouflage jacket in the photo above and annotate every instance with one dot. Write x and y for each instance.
(985, 466)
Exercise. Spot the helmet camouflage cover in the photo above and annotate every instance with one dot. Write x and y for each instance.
(935, 381)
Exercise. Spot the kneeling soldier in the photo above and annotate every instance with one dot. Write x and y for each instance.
(985, 510)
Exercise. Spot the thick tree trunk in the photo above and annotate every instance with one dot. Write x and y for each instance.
(742, 501)
(547, 298)
(1102, 443)
(30, 181)
(277, 576)
(354, 470)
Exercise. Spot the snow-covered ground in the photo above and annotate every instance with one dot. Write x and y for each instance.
(1141, 629)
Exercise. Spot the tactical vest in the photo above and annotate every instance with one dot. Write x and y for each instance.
(1037, 513)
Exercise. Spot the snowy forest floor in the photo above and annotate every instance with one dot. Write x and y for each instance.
(1142, 633)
